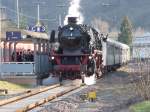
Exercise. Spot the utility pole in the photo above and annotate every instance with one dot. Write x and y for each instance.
(0, 42)
(38, 11)
(60, 16)
(18, 19)
(60, 20)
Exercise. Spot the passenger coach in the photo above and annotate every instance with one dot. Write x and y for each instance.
(115, 54)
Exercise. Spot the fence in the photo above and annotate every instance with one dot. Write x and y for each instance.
(39, 67)
(17, 68)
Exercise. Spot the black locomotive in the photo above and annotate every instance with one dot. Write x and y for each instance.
(78, 53)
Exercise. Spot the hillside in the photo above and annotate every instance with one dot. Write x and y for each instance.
(108, 10)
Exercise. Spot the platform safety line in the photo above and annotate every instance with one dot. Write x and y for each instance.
(34, 92)
(45, 100)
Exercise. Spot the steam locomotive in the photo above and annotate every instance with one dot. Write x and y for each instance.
(79, 50)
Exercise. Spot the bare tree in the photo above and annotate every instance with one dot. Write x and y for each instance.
(141, 69)
(139, 32)
(100, 24)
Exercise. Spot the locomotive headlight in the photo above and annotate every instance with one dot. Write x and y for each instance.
(90, 57)
(71, 28)
(52, 57)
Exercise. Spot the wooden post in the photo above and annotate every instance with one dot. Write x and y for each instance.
(35, 48)
(10, 52)
(15, 54)
(4, 51)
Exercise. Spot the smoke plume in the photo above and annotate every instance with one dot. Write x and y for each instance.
(74, 11)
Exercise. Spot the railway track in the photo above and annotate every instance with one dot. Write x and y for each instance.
(35, 98)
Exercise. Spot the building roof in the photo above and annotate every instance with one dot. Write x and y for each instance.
(117, 43)
(145, 39)
(8, 25)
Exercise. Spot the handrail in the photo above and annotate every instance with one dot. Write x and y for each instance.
(17, 68)
(17, 62)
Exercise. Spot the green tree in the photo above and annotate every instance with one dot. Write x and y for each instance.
(125, 35)
(23, 22)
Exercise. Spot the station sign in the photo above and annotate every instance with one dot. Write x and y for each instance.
(41, 29)
(13, 35)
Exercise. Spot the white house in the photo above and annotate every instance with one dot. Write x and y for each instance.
(141, 46)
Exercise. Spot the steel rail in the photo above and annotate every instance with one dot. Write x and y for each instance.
(45, 100)
(28, 94)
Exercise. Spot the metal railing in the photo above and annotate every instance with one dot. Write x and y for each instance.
(17, 68)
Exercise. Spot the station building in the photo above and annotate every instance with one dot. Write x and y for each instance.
(141, 47)
(22, 52)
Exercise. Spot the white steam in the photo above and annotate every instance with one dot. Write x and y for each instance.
(74, 11)
(90, 80)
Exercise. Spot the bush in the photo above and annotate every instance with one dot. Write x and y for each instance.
(141, 107)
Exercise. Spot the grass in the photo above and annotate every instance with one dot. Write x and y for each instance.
(141, 107)
(12, 86)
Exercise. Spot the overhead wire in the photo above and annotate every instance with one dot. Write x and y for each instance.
(22, 14)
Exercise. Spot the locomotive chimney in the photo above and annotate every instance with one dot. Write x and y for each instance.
(72, 20)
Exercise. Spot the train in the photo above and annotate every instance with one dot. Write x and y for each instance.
(115, 54)
(79, 51)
